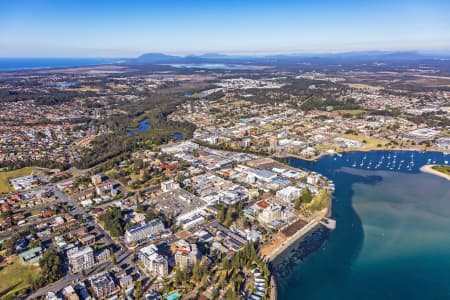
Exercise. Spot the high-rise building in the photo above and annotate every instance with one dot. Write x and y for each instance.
(186, 255)
(271, 213)
(156, 263)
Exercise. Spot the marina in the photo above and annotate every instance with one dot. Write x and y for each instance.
(372, 208)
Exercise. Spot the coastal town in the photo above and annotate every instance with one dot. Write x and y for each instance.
(224, 150)
(121, 182)
(208, 213)
(58, 120)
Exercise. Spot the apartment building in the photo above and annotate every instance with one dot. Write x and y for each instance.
(81, 258)
(156, 263)
(143, 231)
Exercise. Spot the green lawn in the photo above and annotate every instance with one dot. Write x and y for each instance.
(15, 277)
(5, 186)
(353, 112)
(443, 169)
(371, 143)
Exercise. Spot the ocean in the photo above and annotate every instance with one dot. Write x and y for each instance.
(392, 238)
(14, 64)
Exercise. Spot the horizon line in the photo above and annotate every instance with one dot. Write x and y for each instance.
(240, 54)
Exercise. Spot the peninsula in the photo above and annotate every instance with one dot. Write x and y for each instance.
(438, 170)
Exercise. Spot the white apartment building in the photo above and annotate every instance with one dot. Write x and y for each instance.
(80, 258)
(271, 213)
(289, 194)
(156, 263)
(143, 231)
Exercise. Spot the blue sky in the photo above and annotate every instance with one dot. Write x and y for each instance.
(80, 28)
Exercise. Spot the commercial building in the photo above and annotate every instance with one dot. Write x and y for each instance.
(24, 183)
(169, 185)
(32, 255)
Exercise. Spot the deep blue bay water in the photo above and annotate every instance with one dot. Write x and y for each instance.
(392, 239)
(13, 64)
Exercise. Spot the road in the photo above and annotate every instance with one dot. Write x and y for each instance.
(69, 278)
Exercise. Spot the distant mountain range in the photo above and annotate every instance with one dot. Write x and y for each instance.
(161, 58)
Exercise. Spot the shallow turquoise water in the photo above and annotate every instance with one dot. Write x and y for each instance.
(392, 239)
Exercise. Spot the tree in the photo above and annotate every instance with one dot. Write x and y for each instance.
(51, 265)
(113, 221)
(221, 214)
(306, 196)
(229, 217)
(196, 275)
(10, 244)
(138, 291)
(139, 208)
(297, 203)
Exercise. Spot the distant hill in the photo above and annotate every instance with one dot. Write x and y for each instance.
(361, 56)
(157, 58)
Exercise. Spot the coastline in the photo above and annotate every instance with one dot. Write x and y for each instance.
(429, 169)
(10, 65)
(314, 224)
(342, 151)
(292, 240)
(346, 241)
(299, 235)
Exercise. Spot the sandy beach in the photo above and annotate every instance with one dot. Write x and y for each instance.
(429, 169)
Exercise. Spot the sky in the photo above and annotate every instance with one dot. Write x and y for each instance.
(80, 28)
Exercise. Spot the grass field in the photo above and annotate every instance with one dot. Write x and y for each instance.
(353, 112)
(371, 143)
(443, 169)
(15, 277)
(362, 86)
(5, 186)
